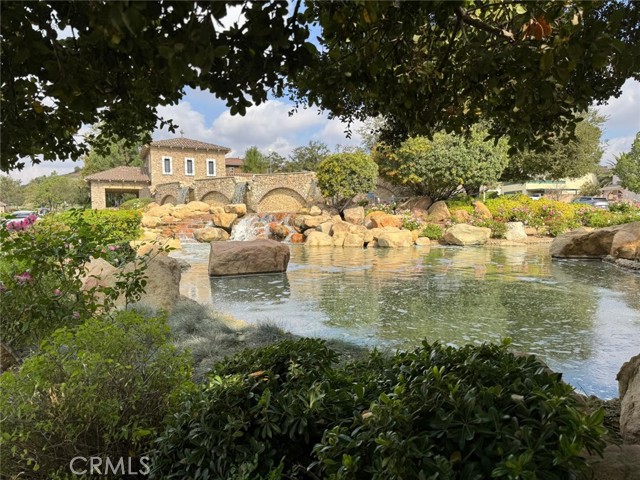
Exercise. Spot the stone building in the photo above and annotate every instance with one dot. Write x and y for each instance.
(234, 165)
(180, 160)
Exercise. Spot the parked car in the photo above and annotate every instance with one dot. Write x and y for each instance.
(598, 202)
(536, 196)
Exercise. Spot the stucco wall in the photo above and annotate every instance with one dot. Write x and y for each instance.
(154, 164)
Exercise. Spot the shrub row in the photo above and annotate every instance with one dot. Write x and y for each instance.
(290, 411)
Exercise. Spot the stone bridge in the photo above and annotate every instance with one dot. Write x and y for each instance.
(277, 192)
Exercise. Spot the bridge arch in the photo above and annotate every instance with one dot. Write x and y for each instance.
(215, 198)
(281, 199)
(168, 199)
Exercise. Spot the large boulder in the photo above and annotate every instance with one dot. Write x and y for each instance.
(198, 208)
(399, 239)
(318, 239)
(481, 211)
(312, 221)
(162, 274)
(583, 243)
(463, 234)
(629, 390)
(626, 242)
(439, 212)
(248, 258)
(240, 209)
(618, 462)
(315, 211)
(419, 205)
(515, 232)
(224, 220)
(149, 221)
(353, 240)
(461, 216)
(387, 220)
(278, 231)
(354, 215)
(368, 219)
(340, 227)
(210, 234)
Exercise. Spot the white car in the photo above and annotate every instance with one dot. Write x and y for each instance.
(536, 196)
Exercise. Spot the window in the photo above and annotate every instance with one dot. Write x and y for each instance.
(188, 166)
(167, 166)
(211, 168)
(232, 169)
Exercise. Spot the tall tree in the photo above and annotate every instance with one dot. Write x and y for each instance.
(628, 167)
(116, 153)
(11, 192)
(565, 157)
(255, 161)
(308, 157)
(55, 191)
(442, 166)
(425, 66)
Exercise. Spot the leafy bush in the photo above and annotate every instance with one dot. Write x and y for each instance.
(40, 284)
(135, 203)
(288, 411)
(432, 231)
(460, 202)
(102, 389)
(411, 223)
(341, 176)
(624, 206)
(113, 226)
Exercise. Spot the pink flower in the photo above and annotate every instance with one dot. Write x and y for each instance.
(23, 278)
(112, 248)
(57, 292)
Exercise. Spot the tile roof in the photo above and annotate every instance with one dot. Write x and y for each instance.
(121, 174)
(182, 142)
(233, 162)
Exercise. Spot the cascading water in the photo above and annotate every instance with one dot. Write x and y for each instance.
(265, 225)
(239, 193)
(183, 195)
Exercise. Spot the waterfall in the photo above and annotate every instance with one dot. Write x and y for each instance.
(183, 195)
(254, 226)
(239, 193)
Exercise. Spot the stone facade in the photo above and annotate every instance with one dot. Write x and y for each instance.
(155, 165)
(99, 190)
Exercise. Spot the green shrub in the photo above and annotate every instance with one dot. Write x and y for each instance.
(411, 223)
(40, 283)
(289, 411)
(432, 231)
(460, 202)
(113, 226)
(342, 176)
(475, 412)
(102, 389)
(135, 203)
(624, 206)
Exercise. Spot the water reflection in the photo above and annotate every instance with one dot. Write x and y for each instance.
(582, 317)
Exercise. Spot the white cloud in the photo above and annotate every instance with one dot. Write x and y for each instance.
(623, 112)
(615, 147)
(29, 172)
(269, 126)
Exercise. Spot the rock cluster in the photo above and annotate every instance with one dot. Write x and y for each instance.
(619, 242)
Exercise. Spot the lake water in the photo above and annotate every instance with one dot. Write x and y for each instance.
(581, 317)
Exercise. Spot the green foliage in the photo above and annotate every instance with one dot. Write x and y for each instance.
(341, 176)
(590, 189)
(628, 167)
(423, 66)
(102, 389)
(115, 153)
(57, 191)
(288, 411)
(116, 226)
(602, 218)
(135, 203)
(306, 158)
(41, 288)
(411, 223)
(432, 231)
(439, 167)
(11, 192)
(624, 206)
(564, 157)
(254, 161)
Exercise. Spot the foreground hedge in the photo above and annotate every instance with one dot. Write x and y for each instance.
(114, 226)
(289, 411)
